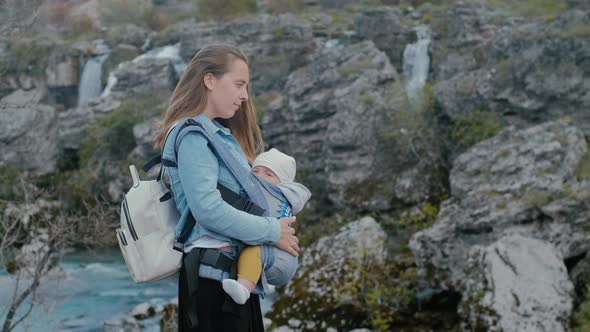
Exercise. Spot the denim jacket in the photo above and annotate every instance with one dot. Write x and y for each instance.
(194, 184)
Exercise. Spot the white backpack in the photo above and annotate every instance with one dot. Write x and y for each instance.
(149, 217)
(146, 236)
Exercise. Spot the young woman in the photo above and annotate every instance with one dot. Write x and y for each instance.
(215, 90)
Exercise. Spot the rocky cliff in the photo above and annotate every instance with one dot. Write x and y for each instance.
(461, 205)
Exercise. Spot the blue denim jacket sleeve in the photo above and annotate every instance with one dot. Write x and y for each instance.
(198, 171)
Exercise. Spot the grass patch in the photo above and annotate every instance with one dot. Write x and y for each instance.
(8, 175)
(417, 221)
(366, 99)
(28, 55)
(112, 135)
(356, 67)
(261, 103)
(531, 8)
(577, 30)
(475, 127)
(138, 12)
(538, 199)
(583, 168)
(225, 9)
(285, 6)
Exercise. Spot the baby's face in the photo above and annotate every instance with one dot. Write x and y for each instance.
(266, 174)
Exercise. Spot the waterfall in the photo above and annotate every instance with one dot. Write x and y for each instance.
(416, 64)
(90, 83)
(171, 52)
(110, 83)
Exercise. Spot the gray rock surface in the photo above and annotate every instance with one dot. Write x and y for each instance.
(28, 132)
(146, 77)
(73, 122)
(530, 182)
(391, 40)
(530, 72)
(275, 46)
(325, 266)
(341, 113)
(523, 286)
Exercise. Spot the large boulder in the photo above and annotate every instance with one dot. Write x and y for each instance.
(532, 183)
(521, 284)
(28, 132)
(275, 46)
(315, 298)
(73, 122)
(393, 39)
(530, 72)
(145, 77)
(344, 118)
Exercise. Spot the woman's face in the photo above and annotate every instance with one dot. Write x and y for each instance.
(227, 93)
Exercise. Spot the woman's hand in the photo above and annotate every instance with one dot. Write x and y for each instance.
(288, 242)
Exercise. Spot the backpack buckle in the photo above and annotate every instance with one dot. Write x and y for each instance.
(178, 247)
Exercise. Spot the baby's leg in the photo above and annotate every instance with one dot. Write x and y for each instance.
(250, 266)
(249, 271)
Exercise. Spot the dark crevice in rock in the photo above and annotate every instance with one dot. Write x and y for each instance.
(437, 308)
(571, 262)
(476, 231)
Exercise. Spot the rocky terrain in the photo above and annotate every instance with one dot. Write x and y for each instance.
(457, 205)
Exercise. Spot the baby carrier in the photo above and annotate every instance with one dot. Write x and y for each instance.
(148, 218)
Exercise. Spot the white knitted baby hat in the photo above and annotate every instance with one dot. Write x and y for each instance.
(283, 165)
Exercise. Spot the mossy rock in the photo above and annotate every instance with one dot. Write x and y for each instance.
(8, 176)
(474, 127)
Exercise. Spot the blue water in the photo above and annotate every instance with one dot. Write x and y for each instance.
(94, 287)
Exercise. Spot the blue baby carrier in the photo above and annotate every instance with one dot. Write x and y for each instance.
(254, 187)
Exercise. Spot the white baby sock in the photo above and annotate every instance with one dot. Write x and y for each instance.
(238, 292)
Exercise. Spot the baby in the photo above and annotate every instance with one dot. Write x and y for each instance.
(279, 169)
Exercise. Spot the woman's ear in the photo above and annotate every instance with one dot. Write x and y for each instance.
(209, 81)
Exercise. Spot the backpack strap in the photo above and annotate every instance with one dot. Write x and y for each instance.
(230, 197)
(248, 181)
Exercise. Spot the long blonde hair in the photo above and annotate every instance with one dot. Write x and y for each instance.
(189, 99)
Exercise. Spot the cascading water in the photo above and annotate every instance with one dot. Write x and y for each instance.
(416, 64)
(90, 82)
(171, 52)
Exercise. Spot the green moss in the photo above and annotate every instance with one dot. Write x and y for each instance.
(367, 99)
(581, 319)
(285, 6)
(504, 153)
(261, 103)
(359, 193)
(504, 70)
(8, 175)
(28, 55)
(356, 67)
(426, 18)
(278, 33)
(417, 221)
(583, 168)
(412, 131)
(138, 12)
(531, 8)
(474, 127)
(536, 198)
(76, 188)
(225, 9)
(577, 30)
(112, 135)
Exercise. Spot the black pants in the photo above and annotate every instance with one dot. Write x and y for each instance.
(216, 311)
